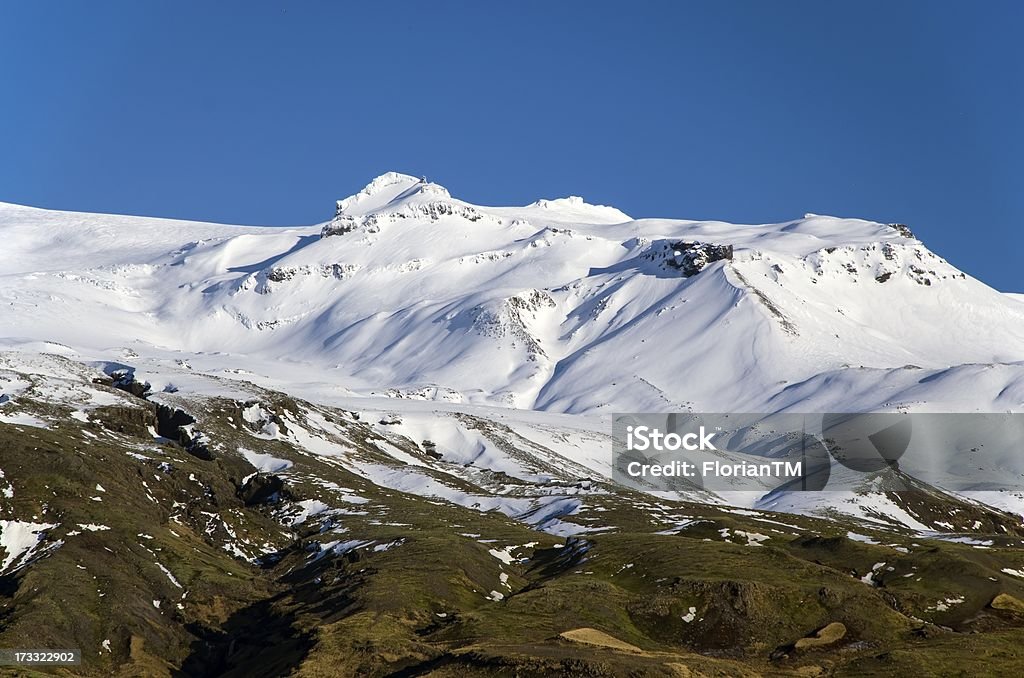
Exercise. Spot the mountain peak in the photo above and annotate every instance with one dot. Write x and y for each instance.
(391, 188)
(388, 189)
(576, 206)
(377, 193)
(572, 200)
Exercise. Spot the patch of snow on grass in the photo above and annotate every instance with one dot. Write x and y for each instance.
(19, 539)
(265, 463)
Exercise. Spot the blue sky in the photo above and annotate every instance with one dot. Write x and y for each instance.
(266, 112)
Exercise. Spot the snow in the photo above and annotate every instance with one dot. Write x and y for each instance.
(504, 555)
(22, 419)
(6, 489)
(307, 509)
(853, 536)
(944, 605)
(19, 540)
(497, 299)
(962, 540)
(169, 575)
(388, 546)
(265, 463)
(869, 577)
(753, 538)
(877, 508)
(545, 319)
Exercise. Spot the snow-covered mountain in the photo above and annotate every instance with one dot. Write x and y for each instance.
(381, 445)
(559, 306)
(547, 318)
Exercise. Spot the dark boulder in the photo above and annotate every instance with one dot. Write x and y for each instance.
(124, 379)
(260, 488)
(691, 257)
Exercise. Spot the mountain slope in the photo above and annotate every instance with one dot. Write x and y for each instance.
(380, 445)
(223, 529)
(560, 305)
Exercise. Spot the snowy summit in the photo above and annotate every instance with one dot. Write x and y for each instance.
(559, 305)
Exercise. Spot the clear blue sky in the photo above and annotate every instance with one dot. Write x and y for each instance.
(266, 112)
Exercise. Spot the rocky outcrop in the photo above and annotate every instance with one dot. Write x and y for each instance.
(279, 274)
(177, 425)
(1004, 601)
(883, 262)
(134, 421)
(903, 230)
(262, 488)
(831, 633)
(511, 318)
(432, 210)
(691, 257)
(340, 225)
(823, 637)
(124, 379)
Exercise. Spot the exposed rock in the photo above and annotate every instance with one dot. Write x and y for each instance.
(691, 257)
(124, 379)
(178, 425)
(260, 488)
(260, 418)
(281, 274)
(903, 230)
(284, 273)
(340, 225)
(510, 318)
(430, 448)
(432, 210)
(1004, 601)
(135, 421)
(170, 420)
(831, 633)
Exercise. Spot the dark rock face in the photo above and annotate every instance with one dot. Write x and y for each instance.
(170, 420)
(176, 425)
(280, 274)
(371, 223)
(125, 380)
(903, 230)
(691, 257)
(133, 421)
(197, 447)
(430, 448)
(260, 489)
(340, 225)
